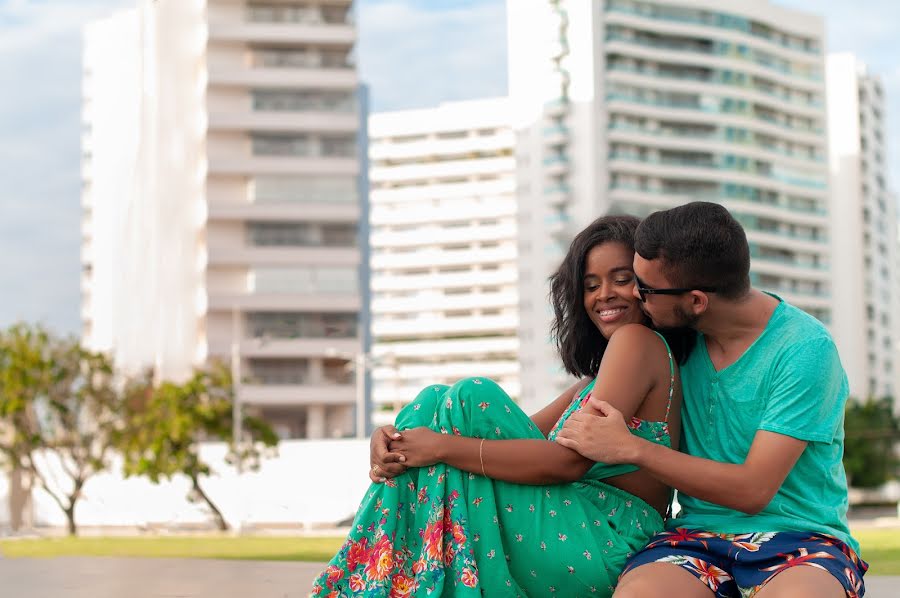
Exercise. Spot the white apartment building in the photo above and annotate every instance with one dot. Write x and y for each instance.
(224, 185)
(638, 105)
(864, 225)
(443, 242)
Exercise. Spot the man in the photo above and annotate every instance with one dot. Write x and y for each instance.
(761, 483)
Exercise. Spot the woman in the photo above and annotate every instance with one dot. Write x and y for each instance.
(490, 505)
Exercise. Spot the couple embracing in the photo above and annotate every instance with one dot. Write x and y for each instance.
(689, 380)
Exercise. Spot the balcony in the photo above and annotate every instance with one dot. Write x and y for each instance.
(712, 19)
(556, 135)
(283, 77)
(311, 211)
(471, 301)
(557, 195)
(556, 165)
(426, 235)
(437, 258)
(332, 34)
(466, 348)
(236, 163)
(495, 165)
(433, 327)
(297, 395)
(311, 301)
(286, 348)
(281, 121)
(557, 108)
(244, 255)
(468, 279)
(557, 224)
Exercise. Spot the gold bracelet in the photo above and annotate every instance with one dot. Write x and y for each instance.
(481, 457)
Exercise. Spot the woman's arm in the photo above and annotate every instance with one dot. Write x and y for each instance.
(387, 464)
(547, 417)
(623, 380)
(523, 461)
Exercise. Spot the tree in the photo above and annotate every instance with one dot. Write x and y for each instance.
(166, 423)
(871, 430)
(57, 400)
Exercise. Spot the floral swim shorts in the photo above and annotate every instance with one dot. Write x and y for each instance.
(739, 565)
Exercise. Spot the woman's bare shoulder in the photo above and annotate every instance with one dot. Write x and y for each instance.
(638, 341)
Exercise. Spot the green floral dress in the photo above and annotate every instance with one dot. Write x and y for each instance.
(441, 531)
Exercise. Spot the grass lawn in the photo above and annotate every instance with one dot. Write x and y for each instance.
(880, 547)
(253, 548)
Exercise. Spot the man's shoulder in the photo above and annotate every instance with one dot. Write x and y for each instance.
(792, 325)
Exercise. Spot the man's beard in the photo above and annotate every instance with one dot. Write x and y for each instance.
(684, 318)
(680, 319)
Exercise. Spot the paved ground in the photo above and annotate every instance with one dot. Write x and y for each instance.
(187, 578)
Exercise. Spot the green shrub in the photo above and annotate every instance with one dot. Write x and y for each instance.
(872, 430)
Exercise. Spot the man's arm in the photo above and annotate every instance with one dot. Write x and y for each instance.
(746, 487)
(805, 404)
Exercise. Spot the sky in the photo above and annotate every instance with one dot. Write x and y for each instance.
(411, 53)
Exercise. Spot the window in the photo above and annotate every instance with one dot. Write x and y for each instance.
(301, 234)
(283, 13)
(296, 101)
(281, 145)
(286, 58)
(338, 147)
(279, 371)
(287, 325)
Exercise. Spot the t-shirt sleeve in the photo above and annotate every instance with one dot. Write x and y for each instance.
(808, 392)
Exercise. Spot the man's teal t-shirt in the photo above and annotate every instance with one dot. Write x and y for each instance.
(789, 381)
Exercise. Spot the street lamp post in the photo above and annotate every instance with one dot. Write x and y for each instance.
(237, 414)
(237, 418)
(361, 360)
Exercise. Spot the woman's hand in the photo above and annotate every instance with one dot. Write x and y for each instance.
(385, 462)
(419, 447)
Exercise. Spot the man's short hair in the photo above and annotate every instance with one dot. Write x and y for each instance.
(700, 245)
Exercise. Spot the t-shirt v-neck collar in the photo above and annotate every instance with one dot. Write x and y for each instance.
(708, 360)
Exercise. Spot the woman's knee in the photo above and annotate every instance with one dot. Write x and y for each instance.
(476, 384)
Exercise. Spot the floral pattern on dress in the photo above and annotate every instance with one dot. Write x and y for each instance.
(441, 531)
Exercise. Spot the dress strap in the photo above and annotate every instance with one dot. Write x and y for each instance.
(671, 375)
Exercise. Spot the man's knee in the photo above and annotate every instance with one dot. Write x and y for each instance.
(639, 587)
(660, 580)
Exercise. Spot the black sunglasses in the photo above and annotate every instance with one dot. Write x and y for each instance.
(643, 290)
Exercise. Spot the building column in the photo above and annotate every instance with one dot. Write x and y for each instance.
(315, 422)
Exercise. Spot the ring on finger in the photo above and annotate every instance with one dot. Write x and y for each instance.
(375, 469)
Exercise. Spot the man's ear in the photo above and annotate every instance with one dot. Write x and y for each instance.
(699, 302)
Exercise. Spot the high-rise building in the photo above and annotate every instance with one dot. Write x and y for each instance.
(443, 241)
(630, 106)
(864, 229)
(224, 186)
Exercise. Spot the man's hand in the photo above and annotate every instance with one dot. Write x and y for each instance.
(420, 447)
(385, 462)
(602, 438)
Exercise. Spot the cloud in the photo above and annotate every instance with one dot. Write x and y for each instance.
(25, 23)
(40, 73)
(418, 54)
(413, 53)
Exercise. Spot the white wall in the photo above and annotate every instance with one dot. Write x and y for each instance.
(308, 484)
